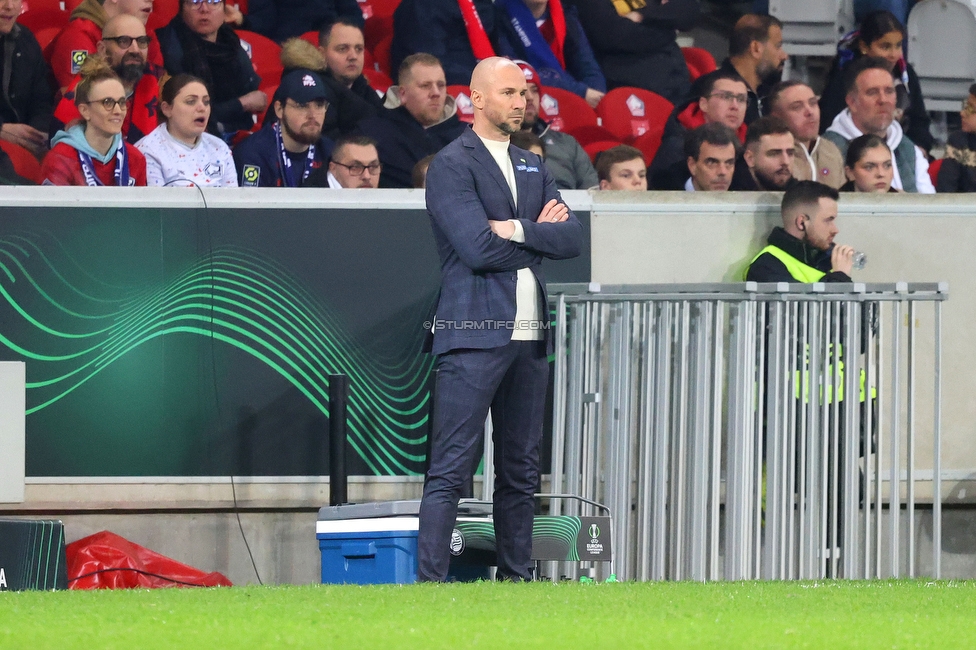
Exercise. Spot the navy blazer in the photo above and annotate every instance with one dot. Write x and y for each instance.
(465, 188)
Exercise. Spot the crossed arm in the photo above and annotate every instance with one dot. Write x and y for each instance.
(487, 245)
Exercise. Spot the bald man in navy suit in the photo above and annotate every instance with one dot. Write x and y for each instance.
(495, 213)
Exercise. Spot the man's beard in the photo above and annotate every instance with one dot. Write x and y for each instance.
(130, 73)
(301, 136)
(769, 183)
(769, 75)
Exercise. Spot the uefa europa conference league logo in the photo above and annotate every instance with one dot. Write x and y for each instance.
(594, 546)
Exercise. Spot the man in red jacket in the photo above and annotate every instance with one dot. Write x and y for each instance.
(81, 35)
(722, 98)
(121, 47)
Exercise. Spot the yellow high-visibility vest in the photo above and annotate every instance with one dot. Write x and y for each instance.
(808, 275)
(801, 272)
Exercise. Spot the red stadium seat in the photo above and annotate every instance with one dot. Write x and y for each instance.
(383, 8)
(242, 5)
(25, 164)
(701, 60)
(462, 98)
(629, 113)
(44, 5)
(591, 133)
(312, 37)
(381, 55)
(265, 56)
(69, 5)
(934, 168)
(376, 29)
(564, 110)
(163, 12)
(600, 146)
(649, 143)
(378, 80)
(46, 35)
(38, 19)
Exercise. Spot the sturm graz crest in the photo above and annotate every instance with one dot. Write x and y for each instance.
(457, 542)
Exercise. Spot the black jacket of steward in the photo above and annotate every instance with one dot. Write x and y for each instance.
(767, 268)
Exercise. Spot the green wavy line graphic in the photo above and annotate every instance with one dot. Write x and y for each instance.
(70, 327)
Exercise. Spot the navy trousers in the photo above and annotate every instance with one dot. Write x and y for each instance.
(512, 381)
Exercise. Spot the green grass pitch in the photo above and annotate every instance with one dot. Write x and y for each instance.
(882, 614)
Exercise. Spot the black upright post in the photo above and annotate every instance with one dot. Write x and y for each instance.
(338, 393)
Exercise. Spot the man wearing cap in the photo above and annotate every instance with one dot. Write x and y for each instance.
(565, 158)
(284, 153)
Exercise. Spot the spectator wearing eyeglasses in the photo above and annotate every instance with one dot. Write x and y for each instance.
(81, 35)
(123, 45)
(721, 97)
(179, 152)
(816, 159)
(197, 41)
(284, 153)
(93, 153)
(958, 172)
(355, 164)
(26, 94)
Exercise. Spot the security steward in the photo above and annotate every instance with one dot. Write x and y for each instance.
(803, 250)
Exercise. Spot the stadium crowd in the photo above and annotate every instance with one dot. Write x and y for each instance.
(339, 93)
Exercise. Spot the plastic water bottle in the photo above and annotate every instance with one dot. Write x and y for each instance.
(860, 260)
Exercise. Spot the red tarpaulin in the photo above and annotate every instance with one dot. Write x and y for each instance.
(106, 561)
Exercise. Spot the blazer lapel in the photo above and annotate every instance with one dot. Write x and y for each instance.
(480, 153)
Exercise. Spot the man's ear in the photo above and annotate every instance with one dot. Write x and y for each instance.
(279, 108)
(756, 49)
(691, 165)
(477, 98)
(604, 185)
(750, 157)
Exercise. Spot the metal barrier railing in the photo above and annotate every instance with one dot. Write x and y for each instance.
(750, 431)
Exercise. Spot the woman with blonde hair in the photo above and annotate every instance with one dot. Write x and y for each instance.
(93, 152)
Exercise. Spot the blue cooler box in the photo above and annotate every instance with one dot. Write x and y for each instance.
(369, 543)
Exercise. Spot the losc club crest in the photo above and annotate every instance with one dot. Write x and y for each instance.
(635, 106)
(457, 542)
(549, 104)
